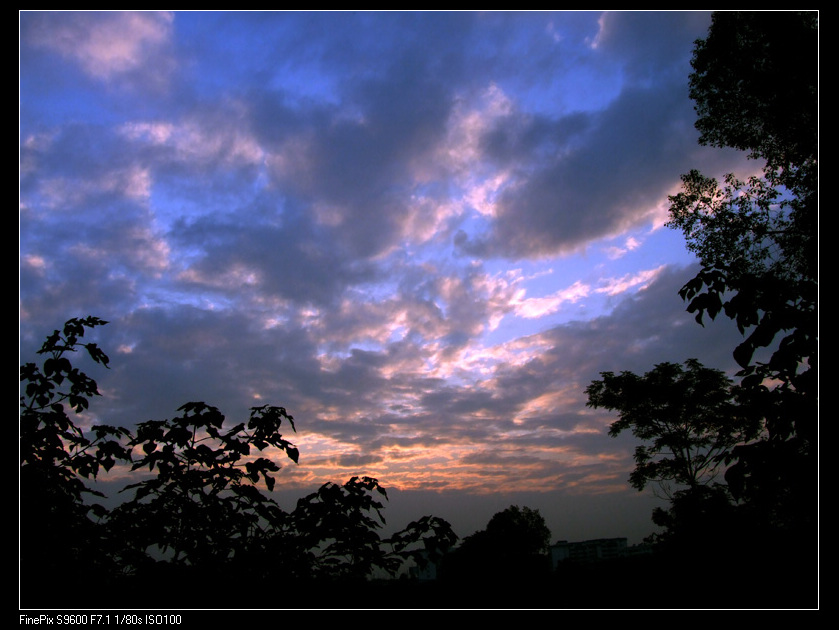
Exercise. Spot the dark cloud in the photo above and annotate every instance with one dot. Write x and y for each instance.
(357, 172)
(306, 209)
(651, 44)
(290, 258)
(588, 175)
(603, 178)
(357, 461)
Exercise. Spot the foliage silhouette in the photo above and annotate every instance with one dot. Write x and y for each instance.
(520, 530)
(688, 418)
(197, 520)
(58, 536)
(754, 85)
(335, 531)
(202, 507)
(196, 514)
(508, 558)
(755, 88)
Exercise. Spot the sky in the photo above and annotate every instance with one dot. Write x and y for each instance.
(423, 234)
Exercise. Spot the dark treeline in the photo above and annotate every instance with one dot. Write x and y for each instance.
(735, 458)
(195, 532)
(194, 527)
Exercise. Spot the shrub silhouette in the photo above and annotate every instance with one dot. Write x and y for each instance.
(196, 516)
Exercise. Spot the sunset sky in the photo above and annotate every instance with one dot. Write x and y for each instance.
(424, 234)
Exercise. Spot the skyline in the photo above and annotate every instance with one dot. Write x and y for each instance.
(424, 234)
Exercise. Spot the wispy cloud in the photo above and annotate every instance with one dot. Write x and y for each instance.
(105, 45)
(397, 225)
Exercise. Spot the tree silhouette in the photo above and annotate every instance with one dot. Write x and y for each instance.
(520, 530)
(202, 507)
(59, 539)
(196, 516)
(335, 531)
(755, 86)
(689, 421)
(507, 559)
(688, 418)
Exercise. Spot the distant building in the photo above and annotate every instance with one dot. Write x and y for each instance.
(425, 570)
(593, 550)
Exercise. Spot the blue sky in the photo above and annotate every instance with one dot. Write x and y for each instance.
(422, 233)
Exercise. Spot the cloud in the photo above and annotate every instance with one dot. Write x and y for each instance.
(361, 176)
(586, 175)
(647, 43)
(203, 140)
(616, 286)
(320, 212)
(105, 45)
(606, 182)
(528, 403)
(631, 244)
(535, 308)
